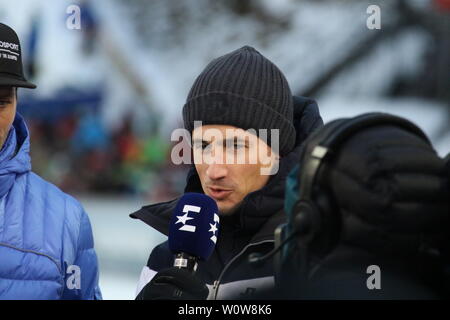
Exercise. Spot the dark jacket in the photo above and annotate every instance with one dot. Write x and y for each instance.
(250, 229)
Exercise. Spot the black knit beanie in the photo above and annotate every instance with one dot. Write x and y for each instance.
(246, 90)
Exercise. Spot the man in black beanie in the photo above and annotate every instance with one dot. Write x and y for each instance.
(240, 107)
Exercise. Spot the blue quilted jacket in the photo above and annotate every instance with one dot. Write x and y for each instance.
(46, 243)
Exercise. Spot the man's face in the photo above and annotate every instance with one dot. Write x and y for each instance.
(230, 162)
(8, 104)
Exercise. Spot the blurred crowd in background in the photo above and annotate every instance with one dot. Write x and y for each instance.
(88, 157)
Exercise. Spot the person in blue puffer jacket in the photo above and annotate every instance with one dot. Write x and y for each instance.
(46, 242)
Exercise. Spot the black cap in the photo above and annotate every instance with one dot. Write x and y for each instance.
(245, 89)
(11, 69)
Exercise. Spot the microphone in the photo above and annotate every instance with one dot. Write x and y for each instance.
(193, 230)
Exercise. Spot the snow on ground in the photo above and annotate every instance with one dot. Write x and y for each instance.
(123, 245)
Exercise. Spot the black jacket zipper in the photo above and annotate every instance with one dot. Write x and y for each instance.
(217, 282)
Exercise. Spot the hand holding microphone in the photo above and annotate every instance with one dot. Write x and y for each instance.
(192, 237)
(174, 284)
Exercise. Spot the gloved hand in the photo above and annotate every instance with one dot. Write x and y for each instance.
(174, 284)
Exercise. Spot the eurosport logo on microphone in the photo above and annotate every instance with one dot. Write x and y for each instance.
(183, 219)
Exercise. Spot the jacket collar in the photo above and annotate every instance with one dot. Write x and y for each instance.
(14, 155)
(261, 210)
